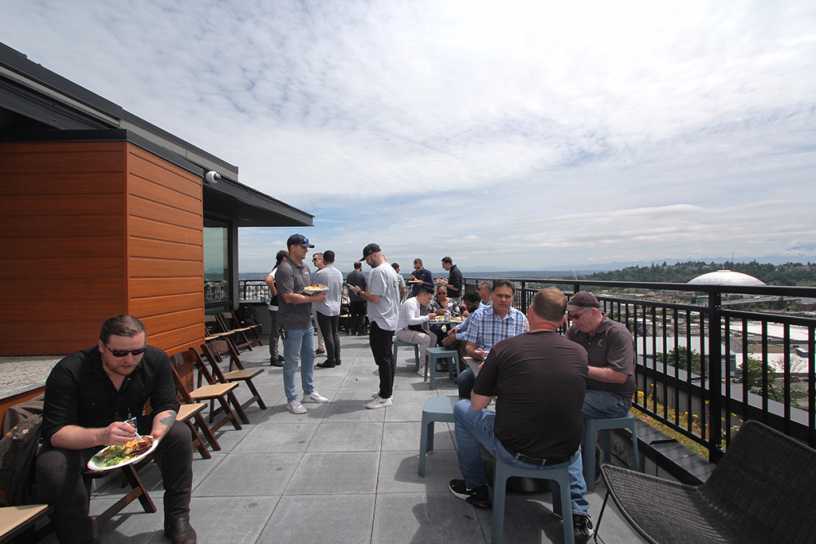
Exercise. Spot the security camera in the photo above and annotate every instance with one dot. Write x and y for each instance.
(212, 177)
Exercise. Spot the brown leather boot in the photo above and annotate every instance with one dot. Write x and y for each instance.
(179, 531)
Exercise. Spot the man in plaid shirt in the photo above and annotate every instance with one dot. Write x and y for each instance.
(489, 326)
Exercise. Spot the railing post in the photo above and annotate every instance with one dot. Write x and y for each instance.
(524, 302)
(715, 374)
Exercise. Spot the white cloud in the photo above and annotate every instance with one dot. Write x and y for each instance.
(527, 133)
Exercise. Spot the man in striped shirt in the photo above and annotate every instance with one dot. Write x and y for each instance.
(489, 326)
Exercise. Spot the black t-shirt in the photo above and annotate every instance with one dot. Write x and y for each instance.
(78, 392)
(455, 281)
(539, 379)
(612, 346)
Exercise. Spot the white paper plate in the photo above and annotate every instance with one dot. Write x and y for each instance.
(99, 468)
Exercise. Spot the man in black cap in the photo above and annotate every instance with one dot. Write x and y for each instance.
(611, 376)
(383, 298)
(295, 315)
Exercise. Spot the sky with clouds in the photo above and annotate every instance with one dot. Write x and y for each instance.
(509, 135)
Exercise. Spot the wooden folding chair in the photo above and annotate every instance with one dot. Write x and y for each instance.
(245, 333)
(137, 491)
(190, 415)
(243, 317)
(219, 392)
(16, 520)
(213, 352)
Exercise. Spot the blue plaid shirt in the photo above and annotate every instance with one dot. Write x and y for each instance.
(485, 328)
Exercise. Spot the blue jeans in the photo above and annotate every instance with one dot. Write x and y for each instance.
(474, 428)
(298, 348)
(603, 404)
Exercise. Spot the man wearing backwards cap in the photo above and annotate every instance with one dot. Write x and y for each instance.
(295, 315)
(383, 297)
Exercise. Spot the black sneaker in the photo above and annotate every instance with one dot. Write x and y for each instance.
(478, 497)
(582, 525)
(275, 362)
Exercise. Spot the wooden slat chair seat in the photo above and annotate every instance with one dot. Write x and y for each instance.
(16, 519)
(213, 352)
(190, 415)
(221, 393)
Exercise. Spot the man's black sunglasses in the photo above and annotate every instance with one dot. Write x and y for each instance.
(124, 352)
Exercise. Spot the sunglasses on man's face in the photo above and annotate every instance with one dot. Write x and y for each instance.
(119, 353)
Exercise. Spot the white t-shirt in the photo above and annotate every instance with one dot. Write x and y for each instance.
(409, 314)
(383, 282)
(331, 277)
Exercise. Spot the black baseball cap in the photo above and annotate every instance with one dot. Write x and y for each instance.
(298, 240)
(584, 299)
(369, 249)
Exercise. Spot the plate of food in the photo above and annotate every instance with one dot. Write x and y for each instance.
(457, 319)
(315, 288)
(120, 455)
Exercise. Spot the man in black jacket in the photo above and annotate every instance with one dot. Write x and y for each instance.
(91, 400)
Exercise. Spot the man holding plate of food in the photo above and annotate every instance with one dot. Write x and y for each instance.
(96, 398)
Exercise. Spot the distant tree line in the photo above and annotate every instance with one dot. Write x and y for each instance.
(782, 274)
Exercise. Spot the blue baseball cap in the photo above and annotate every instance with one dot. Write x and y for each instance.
(298, 240)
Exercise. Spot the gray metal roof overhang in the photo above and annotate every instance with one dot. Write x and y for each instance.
(74, 113)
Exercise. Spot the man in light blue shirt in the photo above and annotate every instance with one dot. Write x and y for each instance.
(489, 326)
(328, 311)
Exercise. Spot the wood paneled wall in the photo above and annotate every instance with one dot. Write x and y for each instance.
(165, 250)
(93, 229)
(61, 244)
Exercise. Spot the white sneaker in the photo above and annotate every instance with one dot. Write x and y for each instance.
(296, 407)
(379, 402)
(316, 397)
(376, 395)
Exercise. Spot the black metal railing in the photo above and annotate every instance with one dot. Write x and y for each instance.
(765, 367)
(253, 291)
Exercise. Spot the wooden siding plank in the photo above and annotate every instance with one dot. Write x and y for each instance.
(140, 267)
(46, 226)
(146, 228)
(171, 178)
(149, 287)
(71, 291)
(160, 249)
(138, 186)
(67, 311)
(139, 207)
(47, 163)
(192, 335)
(34, 183)
(64, 205)
(138, 153)
(32, 248)
(166, 303)
(163, 323)
(62, 268)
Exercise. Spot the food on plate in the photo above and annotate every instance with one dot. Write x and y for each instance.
(114, 455)
(315, 288)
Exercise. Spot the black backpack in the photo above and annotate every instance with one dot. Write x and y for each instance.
(18, 449)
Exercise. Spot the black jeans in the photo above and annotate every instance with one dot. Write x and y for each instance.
(357, 309)
(465, 382)
(274, 334)
(59, 482)
(382, 344)
(330, 326)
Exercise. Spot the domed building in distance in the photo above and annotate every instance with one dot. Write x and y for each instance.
(727, 278)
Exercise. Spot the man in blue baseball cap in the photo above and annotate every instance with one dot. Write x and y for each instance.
(295, 315)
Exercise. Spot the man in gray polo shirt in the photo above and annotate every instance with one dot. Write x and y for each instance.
(611, 376)
(295, 314)
(383, 299)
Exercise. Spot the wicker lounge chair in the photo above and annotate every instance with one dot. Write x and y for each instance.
(763, 490)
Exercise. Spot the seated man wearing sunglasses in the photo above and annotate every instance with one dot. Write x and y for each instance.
(89, 398)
